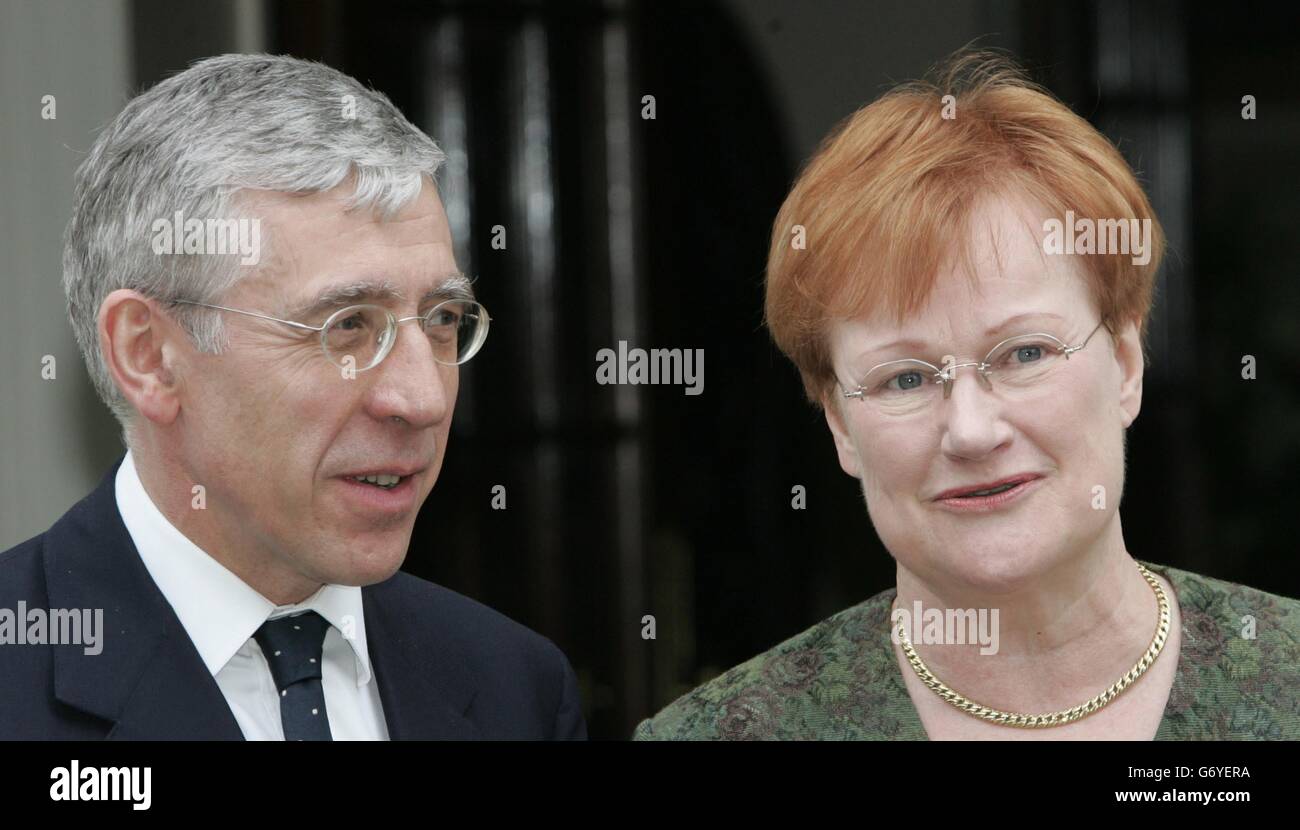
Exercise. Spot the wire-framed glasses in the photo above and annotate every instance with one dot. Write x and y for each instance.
(1017, 364)
(359, 337)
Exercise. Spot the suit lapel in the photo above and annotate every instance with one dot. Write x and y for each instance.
(149, 679)
(426, 692)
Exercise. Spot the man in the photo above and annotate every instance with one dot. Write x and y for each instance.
(261, 280)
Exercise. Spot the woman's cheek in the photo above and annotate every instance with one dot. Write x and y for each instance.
(894, 472)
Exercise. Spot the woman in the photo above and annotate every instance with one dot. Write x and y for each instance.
(964, 283)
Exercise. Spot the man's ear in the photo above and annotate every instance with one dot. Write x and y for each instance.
(843, 443)
(137, 343)
(1132, 363)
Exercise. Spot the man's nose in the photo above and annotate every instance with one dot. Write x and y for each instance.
(411, 384)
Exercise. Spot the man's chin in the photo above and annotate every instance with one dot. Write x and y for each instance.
(368, 572)
(365, 563)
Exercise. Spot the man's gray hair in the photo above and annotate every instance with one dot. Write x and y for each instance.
(190, 144)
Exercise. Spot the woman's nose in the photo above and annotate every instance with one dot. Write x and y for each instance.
(973, 416)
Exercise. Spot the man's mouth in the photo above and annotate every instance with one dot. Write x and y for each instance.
(385, 480)
(387, 495)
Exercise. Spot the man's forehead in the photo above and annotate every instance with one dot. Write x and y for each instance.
(314, 219)
(313, 241)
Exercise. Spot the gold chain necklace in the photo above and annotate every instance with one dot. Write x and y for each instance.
(1053, 718)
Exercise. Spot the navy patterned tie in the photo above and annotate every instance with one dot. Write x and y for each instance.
(292, 646)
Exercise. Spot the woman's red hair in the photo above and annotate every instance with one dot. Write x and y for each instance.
(884, 204)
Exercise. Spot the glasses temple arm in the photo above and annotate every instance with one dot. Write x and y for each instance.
(251, 314)
(1071, 349)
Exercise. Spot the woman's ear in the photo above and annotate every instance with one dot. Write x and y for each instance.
(844, 447)
(1132, 363)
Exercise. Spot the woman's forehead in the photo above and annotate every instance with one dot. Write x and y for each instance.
(996, 257)
(990, 303)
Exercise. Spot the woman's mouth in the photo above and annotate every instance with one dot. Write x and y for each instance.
(992, 498)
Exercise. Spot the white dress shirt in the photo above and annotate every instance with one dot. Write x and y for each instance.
(220, 612)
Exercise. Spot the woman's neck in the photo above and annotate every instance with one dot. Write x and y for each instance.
(1072, 633)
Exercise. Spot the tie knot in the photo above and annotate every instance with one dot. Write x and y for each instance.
(292, 646)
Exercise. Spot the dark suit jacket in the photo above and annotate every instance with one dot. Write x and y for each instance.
(447, 666)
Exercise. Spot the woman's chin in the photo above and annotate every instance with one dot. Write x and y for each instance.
(1002, 571)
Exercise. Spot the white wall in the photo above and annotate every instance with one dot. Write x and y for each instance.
(56, 438)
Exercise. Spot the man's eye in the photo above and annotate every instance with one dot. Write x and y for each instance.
(352, 322)
(444, 317)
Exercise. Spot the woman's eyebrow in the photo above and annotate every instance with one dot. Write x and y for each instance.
(909, 342)
(919, 346)
(1018, 318)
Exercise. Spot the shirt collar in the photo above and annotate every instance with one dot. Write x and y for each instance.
(218, 610)
(341, 607)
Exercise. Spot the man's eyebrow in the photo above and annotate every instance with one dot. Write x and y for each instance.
(454, 286)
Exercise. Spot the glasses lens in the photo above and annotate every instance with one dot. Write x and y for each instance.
(900, 387)
(358, 337)
(457, 329)
(1023, 362)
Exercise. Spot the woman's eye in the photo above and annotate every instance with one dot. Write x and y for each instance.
(905, 381)
(1028, 354)
(1022, 354)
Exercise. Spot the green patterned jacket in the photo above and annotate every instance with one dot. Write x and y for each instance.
(840, 680)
